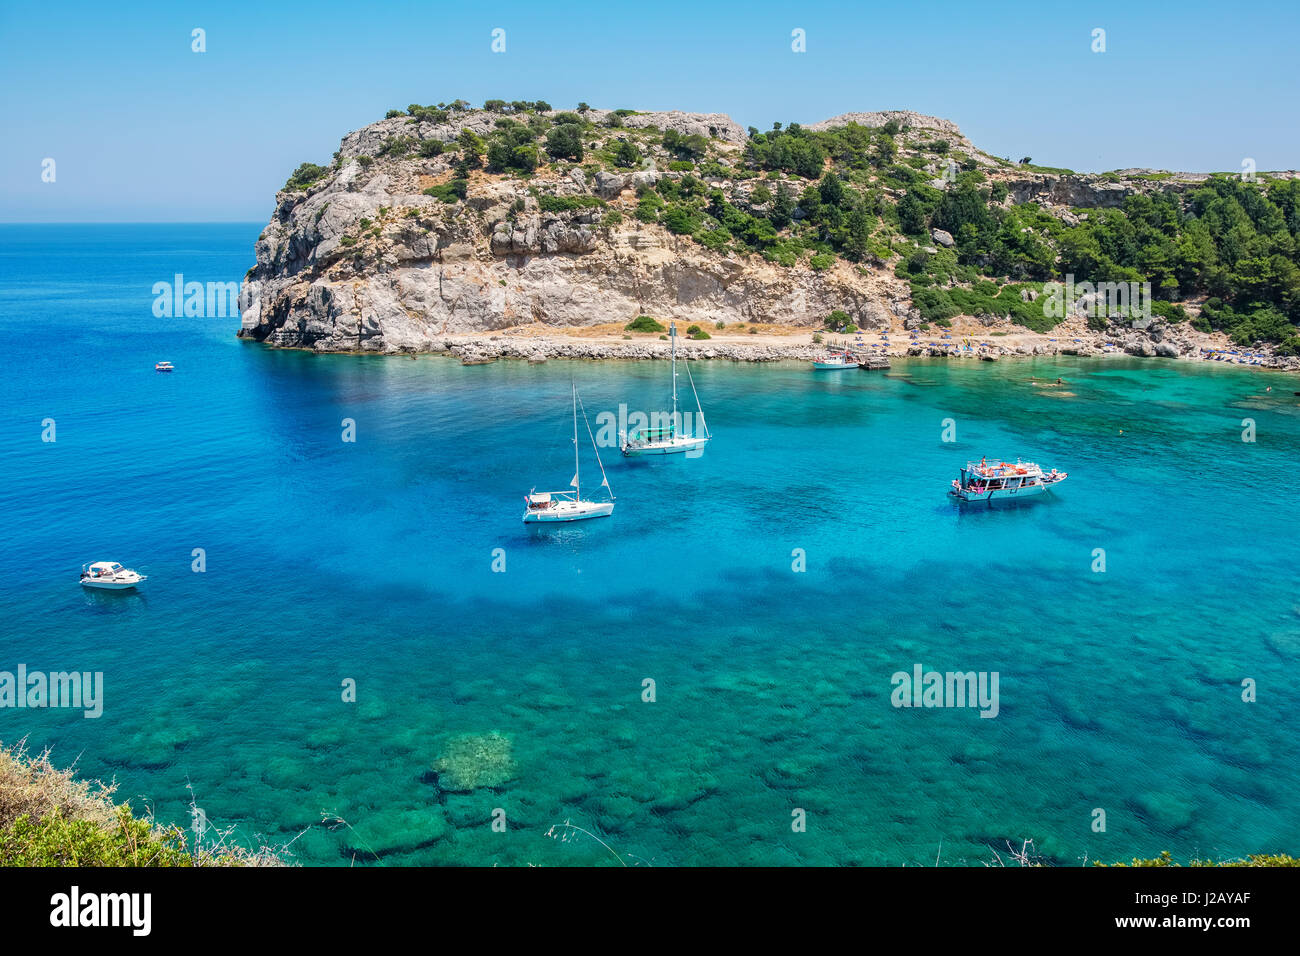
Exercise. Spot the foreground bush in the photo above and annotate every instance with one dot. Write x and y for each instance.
(50, 818)
(1255, 859)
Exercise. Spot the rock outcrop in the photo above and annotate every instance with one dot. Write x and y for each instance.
(400, 242)
(365, 260)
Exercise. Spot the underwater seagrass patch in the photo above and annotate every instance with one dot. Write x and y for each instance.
(473, 761)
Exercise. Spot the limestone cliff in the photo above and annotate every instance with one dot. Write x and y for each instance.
(397, 242)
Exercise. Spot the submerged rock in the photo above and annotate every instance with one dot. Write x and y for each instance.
(401, 831)
(472, 761)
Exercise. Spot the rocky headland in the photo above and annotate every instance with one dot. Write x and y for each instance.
(412, 240)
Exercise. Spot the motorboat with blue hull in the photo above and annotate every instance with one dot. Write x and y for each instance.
(983, 481)
(836, 361)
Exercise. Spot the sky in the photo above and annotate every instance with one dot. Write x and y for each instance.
(140, 127)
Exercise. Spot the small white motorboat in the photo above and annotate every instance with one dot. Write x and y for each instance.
(110, 576)
(164, 367)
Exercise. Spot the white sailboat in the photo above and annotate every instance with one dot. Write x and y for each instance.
(667, 441)
(542, 506)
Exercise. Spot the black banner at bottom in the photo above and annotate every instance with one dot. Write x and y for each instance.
(336, 905)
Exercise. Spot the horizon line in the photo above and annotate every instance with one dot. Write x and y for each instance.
(131, 222)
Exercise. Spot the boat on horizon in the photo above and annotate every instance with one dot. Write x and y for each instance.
(667, 441)
(109, 576)
(550, 506)
(981, 481)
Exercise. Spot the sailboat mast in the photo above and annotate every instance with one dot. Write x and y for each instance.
(698, 407)
(577, 468)
(604, 478)
(672, 338)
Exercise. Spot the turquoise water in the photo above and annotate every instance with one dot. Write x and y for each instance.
(373, 561)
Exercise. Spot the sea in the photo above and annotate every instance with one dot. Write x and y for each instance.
(350, 647)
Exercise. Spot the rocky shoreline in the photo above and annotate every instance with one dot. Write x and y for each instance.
(482, 349)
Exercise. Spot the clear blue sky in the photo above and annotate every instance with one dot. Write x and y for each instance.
(141, 128)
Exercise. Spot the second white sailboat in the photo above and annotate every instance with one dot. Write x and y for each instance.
(669, 441)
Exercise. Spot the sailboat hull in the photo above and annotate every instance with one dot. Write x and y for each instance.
(675, 446)
(570, 511)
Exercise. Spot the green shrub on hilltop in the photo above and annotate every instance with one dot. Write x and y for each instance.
(428, 114)
(626, 155)
(565, 142)
(305, 175)
(397, 146)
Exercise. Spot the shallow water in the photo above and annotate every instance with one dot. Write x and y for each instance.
(373, 561)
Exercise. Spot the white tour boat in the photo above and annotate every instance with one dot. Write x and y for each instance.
(569, 505)
(836, 360)
(667, 441)
(982, 481)
(110, 576)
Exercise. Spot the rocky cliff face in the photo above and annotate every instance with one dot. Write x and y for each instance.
(364, 258)
(1089, 191)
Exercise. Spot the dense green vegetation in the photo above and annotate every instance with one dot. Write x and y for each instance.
(50, 818)
(828, 218)
(453, 190)
(1255, 859)
(305, 175)
(1232, 241)
(56, 841)
(566, 203)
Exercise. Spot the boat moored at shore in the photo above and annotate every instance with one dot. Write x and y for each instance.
(982, 481)
(835, 361)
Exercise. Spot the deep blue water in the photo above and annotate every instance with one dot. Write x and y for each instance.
(373, 561)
